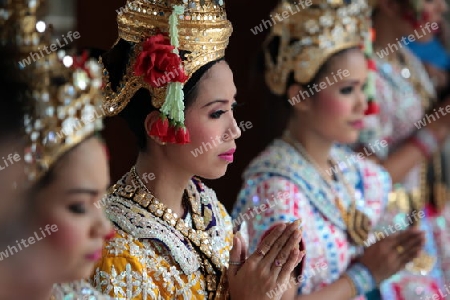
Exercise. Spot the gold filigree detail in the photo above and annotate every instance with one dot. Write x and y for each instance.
(203, 33)
(310, 35)
(198, 238)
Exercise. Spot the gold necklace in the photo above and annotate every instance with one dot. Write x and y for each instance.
(357, 222)
(197, 238)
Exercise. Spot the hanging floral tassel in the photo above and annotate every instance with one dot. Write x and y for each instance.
(370, 91)
(173, 106)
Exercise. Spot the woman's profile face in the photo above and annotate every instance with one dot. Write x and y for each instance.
(336, 111)
(212, 127)
(68, 214)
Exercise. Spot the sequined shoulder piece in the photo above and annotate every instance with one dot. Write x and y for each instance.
(77, 290)
(280, 159)
(136, 221)
(139, 223)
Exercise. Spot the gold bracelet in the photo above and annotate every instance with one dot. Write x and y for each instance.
(354, 293)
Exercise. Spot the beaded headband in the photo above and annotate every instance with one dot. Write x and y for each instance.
(67, 96)
(67, 111)
(172, 40)
(310, 36)
(17, 22)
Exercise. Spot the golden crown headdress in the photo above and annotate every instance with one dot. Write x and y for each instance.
(66, 108)
(310, 35)
(18, 19)
(178, 37)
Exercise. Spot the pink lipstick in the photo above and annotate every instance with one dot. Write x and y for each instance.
(94, 256)
(357, 124)
(228, 156)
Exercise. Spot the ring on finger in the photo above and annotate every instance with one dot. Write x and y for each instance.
(400, 249)
(278, 263)
(236, 263)
(261, 252)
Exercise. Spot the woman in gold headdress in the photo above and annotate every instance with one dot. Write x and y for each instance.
(168, 79)
(412, 140)
(66, 172)
(68, 168)
(314, 60)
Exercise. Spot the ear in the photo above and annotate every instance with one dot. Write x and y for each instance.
(150, 120)
(297, 99)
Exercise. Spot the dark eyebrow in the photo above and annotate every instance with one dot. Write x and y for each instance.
(90, 192)
(353, 82)
(219, 101)
(215, 101)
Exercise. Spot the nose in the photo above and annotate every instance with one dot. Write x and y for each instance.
(233, 130)
(361, 103)
(102, 227)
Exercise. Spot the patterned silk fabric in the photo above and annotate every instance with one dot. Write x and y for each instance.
(400, 109)
(76, 291)
(147, 259)
(283, 186)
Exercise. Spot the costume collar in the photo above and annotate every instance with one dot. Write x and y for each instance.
(281, 159)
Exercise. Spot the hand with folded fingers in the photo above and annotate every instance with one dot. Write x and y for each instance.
(391, 254)
(269, 267)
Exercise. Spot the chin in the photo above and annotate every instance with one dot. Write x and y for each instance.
(84, 272)
(349, 138)
(213, 172)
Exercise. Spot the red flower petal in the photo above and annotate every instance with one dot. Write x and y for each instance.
(372, 34)
(170, 138)
(371, 65)
(372, 108)
(158, 63)
(159, 128)
(182, 136)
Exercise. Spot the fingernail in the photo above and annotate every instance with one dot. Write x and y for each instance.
(297, 223)
(301, 255)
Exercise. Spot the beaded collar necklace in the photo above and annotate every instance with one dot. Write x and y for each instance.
(357, 222)
(197, 237)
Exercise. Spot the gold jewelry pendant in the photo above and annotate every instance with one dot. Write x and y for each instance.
(357, 222)
(440, 195)
(422, 264)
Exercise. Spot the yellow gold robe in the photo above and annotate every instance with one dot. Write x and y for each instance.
(148, 259)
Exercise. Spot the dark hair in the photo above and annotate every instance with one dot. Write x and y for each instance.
(140, 105)
(15, 94)
(273, 48)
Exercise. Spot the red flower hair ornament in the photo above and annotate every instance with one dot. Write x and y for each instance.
(158, 64)
(161, 66)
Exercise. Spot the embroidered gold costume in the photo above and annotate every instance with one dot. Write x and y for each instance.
(150, 258)
(76, 290)
(155, 254)
(63, 114)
